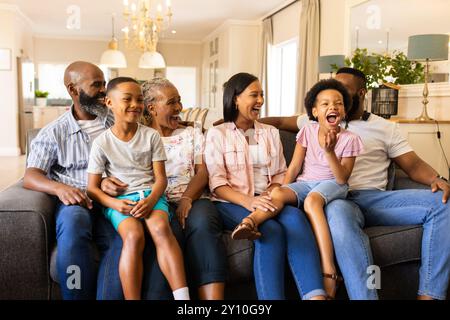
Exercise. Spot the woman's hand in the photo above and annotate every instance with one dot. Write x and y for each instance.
(124, 206)
(263, 202)
(183, 209)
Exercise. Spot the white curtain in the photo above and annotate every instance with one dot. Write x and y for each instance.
(267, 39)
(309, 49)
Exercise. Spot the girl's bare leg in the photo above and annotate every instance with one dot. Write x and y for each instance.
(313, 206)
(130, 263)
(280, 197)
(168, 252)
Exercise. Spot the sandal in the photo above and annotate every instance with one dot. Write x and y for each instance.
(246, 230)
(337, 280)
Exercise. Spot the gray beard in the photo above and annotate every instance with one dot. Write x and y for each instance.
(97, 110)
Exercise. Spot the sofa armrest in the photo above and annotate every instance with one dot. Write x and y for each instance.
(26, 233)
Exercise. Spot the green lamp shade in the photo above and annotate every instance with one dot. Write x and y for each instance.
(428, 46)
(326, 63)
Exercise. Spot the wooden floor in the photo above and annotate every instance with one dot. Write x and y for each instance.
(11, 170)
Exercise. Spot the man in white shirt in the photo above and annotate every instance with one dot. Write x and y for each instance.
(371, 205)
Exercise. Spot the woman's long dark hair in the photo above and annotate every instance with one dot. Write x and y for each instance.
(232, 88)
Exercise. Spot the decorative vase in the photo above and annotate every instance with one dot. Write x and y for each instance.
(42, 102)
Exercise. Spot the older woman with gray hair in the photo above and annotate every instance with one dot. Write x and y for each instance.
(186, 190)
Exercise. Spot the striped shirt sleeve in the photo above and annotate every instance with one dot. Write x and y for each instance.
(43, 152)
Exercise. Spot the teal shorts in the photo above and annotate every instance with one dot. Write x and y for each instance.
(115, 217)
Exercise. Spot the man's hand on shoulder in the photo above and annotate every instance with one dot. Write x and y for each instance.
(441, 184)
(218, 122)
(72, 196)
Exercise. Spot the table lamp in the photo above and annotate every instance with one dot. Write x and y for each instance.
(326, 63)
(427, 47)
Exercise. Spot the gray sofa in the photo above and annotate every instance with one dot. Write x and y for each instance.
(27, 249)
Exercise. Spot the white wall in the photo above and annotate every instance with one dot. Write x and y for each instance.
(184, 54)
(239, 51)
(15, 34)
(54, 50)
(410, 101)
(332, 27)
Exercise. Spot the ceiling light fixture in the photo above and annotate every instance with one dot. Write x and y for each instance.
(113, 58)
(143, 29)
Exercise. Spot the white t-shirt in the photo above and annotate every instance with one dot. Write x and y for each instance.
(382, 142)
(132, 161)
(93, 128)
(260, 170)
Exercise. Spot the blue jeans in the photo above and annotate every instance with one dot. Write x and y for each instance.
(205, 253)
(288, 233)
(329, 190)
(391, 208)
(74, 236)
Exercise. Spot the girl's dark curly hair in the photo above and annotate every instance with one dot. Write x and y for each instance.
(322, 85)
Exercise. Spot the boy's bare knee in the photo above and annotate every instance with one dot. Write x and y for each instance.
(135, 239)
(160, 230)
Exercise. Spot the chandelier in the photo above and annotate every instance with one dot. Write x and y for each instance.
(145, 20)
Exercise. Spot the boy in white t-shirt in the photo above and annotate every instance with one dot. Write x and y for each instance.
(135, 154)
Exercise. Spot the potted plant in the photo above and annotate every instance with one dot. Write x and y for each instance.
(384, 73)
(41, 98)
(382, 68)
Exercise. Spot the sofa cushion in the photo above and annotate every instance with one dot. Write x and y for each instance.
(26, 229)
(239, 258)
(288, 141)
(394, 245)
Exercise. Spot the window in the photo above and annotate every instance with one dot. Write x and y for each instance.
(51, 79)
(185, 79)
(282, 77)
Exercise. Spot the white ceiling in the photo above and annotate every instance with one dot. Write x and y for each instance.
(192, 19)
(402, 18)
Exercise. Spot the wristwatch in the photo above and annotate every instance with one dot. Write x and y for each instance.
(441, 177)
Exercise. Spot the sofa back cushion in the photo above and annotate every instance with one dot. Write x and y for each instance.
(288, 142)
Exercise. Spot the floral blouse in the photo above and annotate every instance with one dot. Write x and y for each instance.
(184, 149)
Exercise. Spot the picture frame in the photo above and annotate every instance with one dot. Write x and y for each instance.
(5, 59)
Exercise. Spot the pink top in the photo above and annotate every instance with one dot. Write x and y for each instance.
(315, 165)
(228, 159)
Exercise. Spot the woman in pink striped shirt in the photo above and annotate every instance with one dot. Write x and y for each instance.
(327, 154)
(245, 163)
